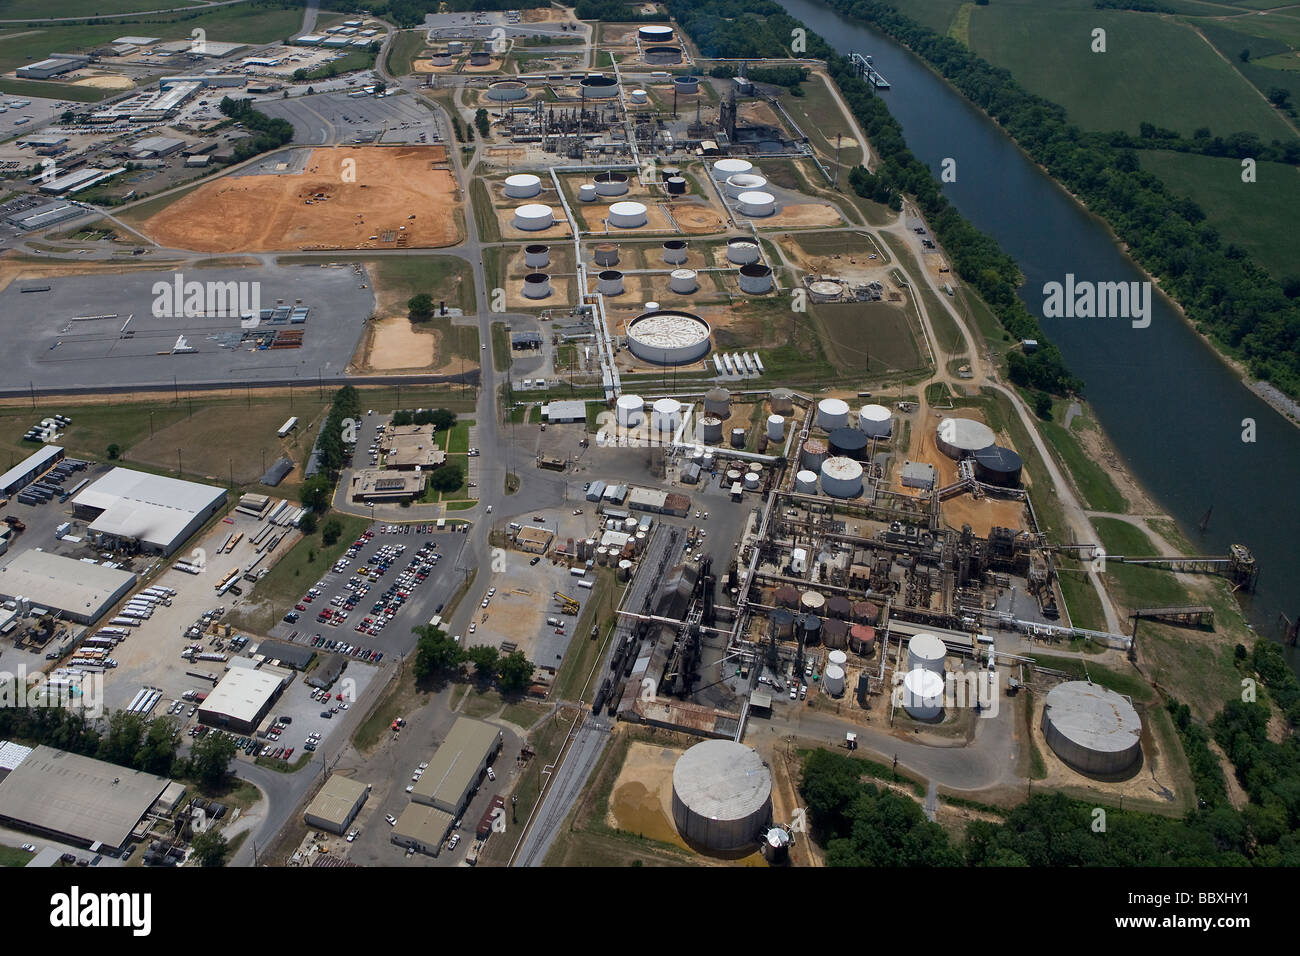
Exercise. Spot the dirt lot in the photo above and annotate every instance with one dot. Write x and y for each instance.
(641, 801)
(559, 229)
(416, 198)
(591, 214)
(802, 214)
(697, 220)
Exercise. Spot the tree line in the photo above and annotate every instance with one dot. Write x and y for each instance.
(438, 656)
(268, 133)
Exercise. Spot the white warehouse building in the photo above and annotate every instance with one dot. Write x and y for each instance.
(154, 513)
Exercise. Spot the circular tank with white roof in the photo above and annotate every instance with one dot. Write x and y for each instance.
(666, 414)
(655, 33)
(722, 795)
(842, 477)
(1091, 728)
(523, 186)
(837, 657)
(630, 410)
(927, 652)
(668, 337)
(805, 482)
(756, 203)
(960, 437)
(775, 427)
(724, 169)
(533, 217)
(923, 694)
(683, 281)
(832, 413)
(627, 215)
(875, 420)
(833, 680)
(742, 252)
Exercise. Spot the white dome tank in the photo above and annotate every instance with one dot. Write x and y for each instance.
(666, 414)
(523, 186)
(832, 413)
(683, 281)
(638, 97)
(756, 203)
(927, 652)
(805, 482)
(630, 410)
(775, 427)
(838, 658)
(751, 482)
(742, 252)
(655, 33)
(842, 477)
(724, 169)
(833, 680)
(875, 421)
(923, 694)
(744, 183)
(587, 192)
(960, 437)
(534, 217)
(627, 215)
(537, 257)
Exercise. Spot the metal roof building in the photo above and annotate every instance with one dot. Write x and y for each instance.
(241, 700)
(422, 827)
(77, 799)
(81, 592)
(566, 411)
(457, 765)
(150, 512)
(336, 804)
(21, 474)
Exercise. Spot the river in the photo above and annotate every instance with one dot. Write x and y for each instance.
(1172, 409)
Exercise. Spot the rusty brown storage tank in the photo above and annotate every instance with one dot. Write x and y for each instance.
(862, 639)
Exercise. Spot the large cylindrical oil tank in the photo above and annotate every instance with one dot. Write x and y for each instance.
(1091, 728)
(480, 58)
(840, 607)
(722, 795)
(813, 454)
(455, 47)
(812, 602)
(638, 97)
(710, 430)
(875, 420)
(783, 623)
(668, 337)
(865, 612)
(533, 217)
(738, 438)
(686, 84)
(630, 410)
(627, 215)
(833, 680)
(507, 91)
(717, 402)
(675, 252)
(756, 204)
(848, 443)
(998, 466)
(805, 482)
(676, 185)
(959, 437)
(683, 281)
(810, 629)
(743, 183)
(537, 285)
(537, 256)
(662, 55)
(786, 596)
(927, 652)
(611, 183)
(775, 427)
(862, 639)
(923, 694)
(837, 657)
(654, 33)
(751, 481)
(742, 252)
(605, 253)
(441, 59)
(835, 633)
(598, 86)
(587, 192)
(832, 413)
(755, 279)
(782, 401)
(609, 282)
(724, 169)
(841, 477)
(522, 186)
(666, 415)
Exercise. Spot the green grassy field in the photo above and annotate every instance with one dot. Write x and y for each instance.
(865, 338)
(935, 14)
(1258, 216)
(1134, 585)
(442, 276)
(18, 9)
(405, 47)
(350, 62)
(1154, 69)
(1090, 478)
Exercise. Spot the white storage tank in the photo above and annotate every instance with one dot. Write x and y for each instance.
(638, 97)
(833, 680)
(627, 215)
(832, 413)
(722, 795)
(675, 252)
(534, 217)
(838, 658)
(668, 337)
(805, 482)
(537, 256)
(655, 33)
(751, 481)
(1094, 730)
(775, 427)
(523, 186)
(842, 477)
(710, 430)
(742, 252)
(609, 282)
(923, 694)
(756, 204)
(875, 421)
(611, 183)
(927, 652)
(587, 192)
(812, 602)
(666, 415)
(683, 281)
(624, 569)
(744, 183)
(724, 169)
(960, 437)
(629, 410)
(755, 278)
(537, 285)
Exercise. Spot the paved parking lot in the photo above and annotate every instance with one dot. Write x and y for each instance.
(380, 119)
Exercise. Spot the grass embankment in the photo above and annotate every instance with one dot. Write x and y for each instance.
(406, 47)
(575, 670)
